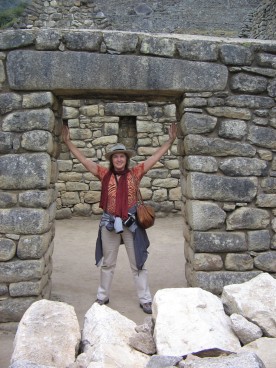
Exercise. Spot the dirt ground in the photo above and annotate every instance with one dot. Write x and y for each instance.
(75, 277)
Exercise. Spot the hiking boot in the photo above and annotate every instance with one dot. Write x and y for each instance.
(146, 307)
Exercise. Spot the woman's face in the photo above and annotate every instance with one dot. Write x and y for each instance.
(119, 161)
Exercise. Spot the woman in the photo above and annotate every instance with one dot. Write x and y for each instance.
(118, 225)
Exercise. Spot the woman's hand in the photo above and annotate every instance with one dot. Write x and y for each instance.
(65, 134)
(172, 132)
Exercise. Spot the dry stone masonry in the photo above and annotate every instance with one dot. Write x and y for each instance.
(94, 127)
(224, 94)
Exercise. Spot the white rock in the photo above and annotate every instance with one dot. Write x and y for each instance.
(245, 330)
(48, 334)
(106, 334)
(255, 300)
(265, 348)
(189, 320)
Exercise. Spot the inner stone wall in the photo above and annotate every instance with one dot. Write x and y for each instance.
(94, 127)
(224, 92)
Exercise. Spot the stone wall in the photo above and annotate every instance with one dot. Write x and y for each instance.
(95, 126)
(261, 22)
(224, 91)
(213, 18)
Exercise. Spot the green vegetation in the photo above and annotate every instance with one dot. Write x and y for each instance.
(9, 16)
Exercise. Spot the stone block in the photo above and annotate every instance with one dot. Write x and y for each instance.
(33, 246)
(200, 163)
(258, 240)
(218, 242)
(7, 249)
(120, 42)
(25, 171)
(157, 46)
(232, 129)
(126, 108)
(202, 215)
(236, 55)
(21, 220)
(21, 121)
(10, 101)
(198, 50)
(263, 137)
(247, 83)
(85, 40)
(200, 145)
(45, 71)
(37, 140)
(197, 123)
(243, 166)
(238, 262)
(13, 39)
(227, 189)
(248, 218)
(19, 270)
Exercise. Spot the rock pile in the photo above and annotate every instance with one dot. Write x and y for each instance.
(190, 328)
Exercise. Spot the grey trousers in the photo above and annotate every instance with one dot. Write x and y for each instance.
(111, 243)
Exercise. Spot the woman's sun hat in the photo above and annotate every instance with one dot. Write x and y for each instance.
(119, 148)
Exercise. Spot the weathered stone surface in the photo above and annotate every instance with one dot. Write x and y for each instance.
(200, 163)
(33, 246)
(25, 171)
(120, 42)
(243, 166)
(12, 39)
(7, 249)
(235, 129)
(207, 186)
(266, 261)
(157, 46)
(6, 142)
(238, 262)
(172, 325)
(37, 198)
(244, 329)
(126, 109)
(236, 55)
(240, 360)
(207, 262)
(263, 136)
(230, 112)
(203, 215)
(247, 83)
(9, 102)
(265, 348)
(272, 88)
(266, 200)
(104, 331)
(262, 311)
(258, 240)
(38, 140)
(24, 221)
(39, 99)
(48, 39)
(163, 361)
(196, 144)
(269, 185)
(14, 271)
(143, 342)
(267, 60)
(252, 102)
(21, 121)
(47, 324)
(27, 288)
(218, 242)
(84, 40)
(197, 123)
(198, 50)
(12, 309)
(216, 280)
(44, 71)
(248, 218)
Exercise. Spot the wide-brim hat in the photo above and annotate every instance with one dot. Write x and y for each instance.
(119, 148)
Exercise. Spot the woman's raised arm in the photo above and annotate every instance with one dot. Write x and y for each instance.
(151, 161)
(87, 163)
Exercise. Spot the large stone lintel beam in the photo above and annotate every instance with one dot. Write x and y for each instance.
(83, 71)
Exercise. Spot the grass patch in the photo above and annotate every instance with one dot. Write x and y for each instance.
(9, 17)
